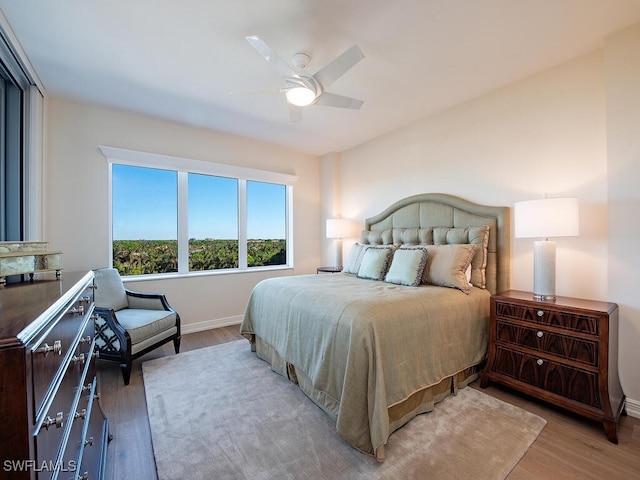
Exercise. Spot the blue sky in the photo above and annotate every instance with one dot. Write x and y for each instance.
(145, 206)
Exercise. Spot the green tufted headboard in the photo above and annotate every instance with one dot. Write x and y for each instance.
(415, 218)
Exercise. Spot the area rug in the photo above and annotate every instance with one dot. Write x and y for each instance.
(221, 413)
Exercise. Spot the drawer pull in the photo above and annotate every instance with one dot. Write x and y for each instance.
(88, 442)
(81, 414)
(540, 361)
(539, 333)
(58, 421)
(86, 339)
(540, 313)
(76, 310)
(87, 387)
(78, 358)
(86, 299)
(85, 476)
(56, 348)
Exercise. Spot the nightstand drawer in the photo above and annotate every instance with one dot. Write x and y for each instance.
(577, 349)
(564, 380)
(548, 316)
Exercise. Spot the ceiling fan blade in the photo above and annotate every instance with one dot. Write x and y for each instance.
(332, 100)
(272, 57)
(338, 67)
(295, 112)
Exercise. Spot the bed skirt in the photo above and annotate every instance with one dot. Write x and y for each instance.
(421, 401)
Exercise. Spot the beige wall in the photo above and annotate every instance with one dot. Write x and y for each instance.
(544, 134)
(549, 133)
(77, 206)
(623, 146)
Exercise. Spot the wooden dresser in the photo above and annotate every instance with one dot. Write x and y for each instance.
(564, 352)
(52, 423)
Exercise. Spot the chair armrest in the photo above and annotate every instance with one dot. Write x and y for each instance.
(109, 316)
(147, 301)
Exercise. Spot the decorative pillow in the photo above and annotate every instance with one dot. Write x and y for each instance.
(354, 259)
(407, 266)
(472, 235)
(447, 264)
(375, 262)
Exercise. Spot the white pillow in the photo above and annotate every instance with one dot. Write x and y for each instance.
(375, 262)
(407, 266)
(352, 265)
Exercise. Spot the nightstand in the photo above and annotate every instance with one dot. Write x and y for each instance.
(329, 270)
(564, 352)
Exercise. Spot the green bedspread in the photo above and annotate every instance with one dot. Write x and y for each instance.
(366, 345)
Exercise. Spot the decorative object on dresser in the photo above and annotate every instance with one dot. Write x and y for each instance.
(130, 324)
(22, 258)
(564, 352)
(544, 218)
(53, 426)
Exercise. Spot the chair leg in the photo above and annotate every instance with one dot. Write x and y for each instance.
(176, 344)
(126, 372)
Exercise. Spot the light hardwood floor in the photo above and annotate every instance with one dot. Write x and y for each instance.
(569, 447)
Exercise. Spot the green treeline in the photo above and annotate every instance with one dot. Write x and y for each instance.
(139, 257)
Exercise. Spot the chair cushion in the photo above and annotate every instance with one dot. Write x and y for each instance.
(109, 291)
(144, 324)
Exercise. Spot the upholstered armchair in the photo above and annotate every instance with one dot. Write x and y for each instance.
(130, 324)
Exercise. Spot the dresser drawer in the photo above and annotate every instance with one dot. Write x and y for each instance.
(564, 380)
(577, 349)
(549, 317)
(49, 353)
(90, 460)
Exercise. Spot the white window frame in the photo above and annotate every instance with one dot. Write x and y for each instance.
(184, 166)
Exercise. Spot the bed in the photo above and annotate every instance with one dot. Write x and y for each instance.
(375, 351)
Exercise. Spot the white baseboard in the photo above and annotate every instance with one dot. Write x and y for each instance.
(633, 407)
(210, 324)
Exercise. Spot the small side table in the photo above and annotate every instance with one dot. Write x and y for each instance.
(328, 270)
(564, 352)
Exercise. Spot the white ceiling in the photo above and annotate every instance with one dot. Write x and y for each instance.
(181, 59)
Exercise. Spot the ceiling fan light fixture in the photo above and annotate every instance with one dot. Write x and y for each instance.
(300, 96)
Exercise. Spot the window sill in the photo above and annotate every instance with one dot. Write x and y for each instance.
(207, 273)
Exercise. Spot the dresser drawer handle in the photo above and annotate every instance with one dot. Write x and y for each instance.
(539, 334)
(78, 358)
(540, 362)
(86, 339)
(56, 348)
(88, 442)
(58, 421)
(85, 476)
(79, 310)
(540, 313)
(81, 414)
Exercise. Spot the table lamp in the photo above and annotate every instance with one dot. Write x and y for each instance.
(544, 218)
(338, 229)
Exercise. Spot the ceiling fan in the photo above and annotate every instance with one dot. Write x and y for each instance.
(302, 90)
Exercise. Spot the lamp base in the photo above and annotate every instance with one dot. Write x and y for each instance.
(544, 298)
(544, 270)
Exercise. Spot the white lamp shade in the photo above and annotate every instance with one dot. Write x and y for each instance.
(338, 228)
(548, 217)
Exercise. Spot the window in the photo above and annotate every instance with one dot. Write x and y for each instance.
(19, 122)
(182, 216)
(144, 220)
(266, 226)
(213, 222)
